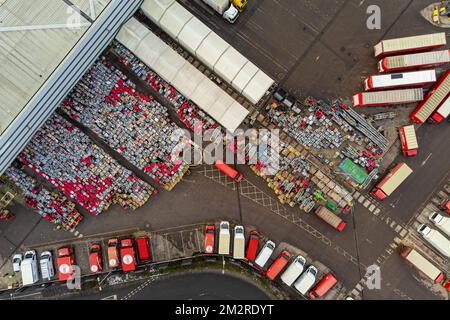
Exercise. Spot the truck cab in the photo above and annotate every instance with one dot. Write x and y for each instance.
(239, 4)
(231, 14)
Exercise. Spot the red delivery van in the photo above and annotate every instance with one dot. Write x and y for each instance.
(324, 285)
(143, 248)
(128, 255)
(278, 265)
(252, 248)
(209, 239)
(229, 171)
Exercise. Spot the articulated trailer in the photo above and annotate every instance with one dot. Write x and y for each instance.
(385, 98)
(330, 218)
(410, 44)
(392, 181)
(433, 100)
(409, 140)
(414, 61)
(419, 262)
(397, 80)
(442, 112)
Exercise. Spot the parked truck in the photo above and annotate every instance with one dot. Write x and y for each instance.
(409, 140)
(419, 262)
(29, 268)
(330, 218)
(436, 239)
(224, 238)
(441, 222)
(392, 181)
(225, 8)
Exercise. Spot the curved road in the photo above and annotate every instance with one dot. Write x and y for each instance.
(192, 286)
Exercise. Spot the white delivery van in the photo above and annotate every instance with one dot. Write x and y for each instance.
(46, 263)
(265, 253)
(443, 223)
(224, 238)
(436, 239)
(306, 280)
(294, 271)
(239, 243)
(29, 268)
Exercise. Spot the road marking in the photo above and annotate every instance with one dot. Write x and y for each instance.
(253, 193)
(426, 160)
(113, 297)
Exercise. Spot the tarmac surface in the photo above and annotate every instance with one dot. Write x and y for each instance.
(319, 48)
(192, 286)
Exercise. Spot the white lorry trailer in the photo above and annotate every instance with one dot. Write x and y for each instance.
(436, 239)
(441, 222)
(225, 8)
(29, 268)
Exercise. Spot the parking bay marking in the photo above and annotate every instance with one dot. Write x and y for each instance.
(254, 194)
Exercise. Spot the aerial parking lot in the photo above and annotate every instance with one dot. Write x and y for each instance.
(347, 186)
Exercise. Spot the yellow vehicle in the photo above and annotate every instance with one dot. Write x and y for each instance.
(240, 4)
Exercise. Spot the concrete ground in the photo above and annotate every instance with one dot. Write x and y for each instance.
(319, 48)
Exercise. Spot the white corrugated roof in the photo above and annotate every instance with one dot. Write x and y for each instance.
(174, 19)
(35, 37)
(209, 48)
(212, 49)
(230, 64)
(243, 78)
(261, 82)
(193, 34)
(183, 75)
(155, 9)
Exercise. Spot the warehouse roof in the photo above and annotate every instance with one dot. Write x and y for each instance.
(41, 44)
(209, 48)
(173, 68)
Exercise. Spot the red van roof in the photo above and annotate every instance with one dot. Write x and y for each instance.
(128, 255)
(278, 265)
(143, 248)
(324, 285)
(252, 248)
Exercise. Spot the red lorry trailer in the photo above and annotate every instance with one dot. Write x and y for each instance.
(414, 61)
(433, 100)
(442, 112)
(410, 44)
(385, 98)
(330, 218)
(397, 80)
(229, 171)
(424, 266)
(392, 181)
(409, 140)
(323, 286)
